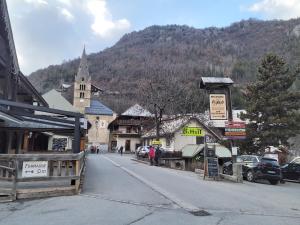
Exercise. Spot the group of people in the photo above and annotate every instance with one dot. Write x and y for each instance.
(154, 155)
(95, 149)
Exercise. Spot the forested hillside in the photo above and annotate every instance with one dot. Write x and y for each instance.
(187, 52)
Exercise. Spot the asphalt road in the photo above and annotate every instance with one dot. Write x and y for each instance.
(120, 191)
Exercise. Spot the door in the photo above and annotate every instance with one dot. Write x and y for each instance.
(127, 145)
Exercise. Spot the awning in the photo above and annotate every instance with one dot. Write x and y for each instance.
(221, 151)
(190, 151)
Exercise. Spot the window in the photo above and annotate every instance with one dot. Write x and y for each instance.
(83, 87)
(199, 140)
(128, 130)
(81, 95)
(82, 79)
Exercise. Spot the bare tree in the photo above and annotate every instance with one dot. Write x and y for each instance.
(169, 96)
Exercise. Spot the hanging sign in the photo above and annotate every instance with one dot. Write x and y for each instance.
(218, 110)
(193, 131)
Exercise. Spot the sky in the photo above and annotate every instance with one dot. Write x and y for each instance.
(48, 32)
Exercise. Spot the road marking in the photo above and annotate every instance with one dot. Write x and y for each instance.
(182, 204)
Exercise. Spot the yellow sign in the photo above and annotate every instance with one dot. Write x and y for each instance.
(193, 131)
(156, 142)
(218, 107)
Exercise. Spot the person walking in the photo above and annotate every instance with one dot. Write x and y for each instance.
(157, 155)
(121, 150)
(151, 155)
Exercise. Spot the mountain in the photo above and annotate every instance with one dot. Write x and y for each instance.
(234, 50)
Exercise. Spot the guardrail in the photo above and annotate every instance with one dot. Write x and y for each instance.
(22, 175)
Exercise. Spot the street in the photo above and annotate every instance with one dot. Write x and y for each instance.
(120, 191)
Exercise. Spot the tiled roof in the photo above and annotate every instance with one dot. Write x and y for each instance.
(137, 110)
(97, 108)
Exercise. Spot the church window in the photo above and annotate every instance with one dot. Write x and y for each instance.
(81, 95)
(83, 87)
(82, 79)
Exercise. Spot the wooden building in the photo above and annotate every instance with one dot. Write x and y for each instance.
(21, 128)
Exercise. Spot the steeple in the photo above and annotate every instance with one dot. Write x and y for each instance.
(83, 70)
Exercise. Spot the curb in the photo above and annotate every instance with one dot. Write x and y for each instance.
(140, 161)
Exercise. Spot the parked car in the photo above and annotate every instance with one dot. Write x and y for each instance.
(291, 171)
(142, 151)
(256, 167)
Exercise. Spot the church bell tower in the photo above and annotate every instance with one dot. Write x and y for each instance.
(82, 85)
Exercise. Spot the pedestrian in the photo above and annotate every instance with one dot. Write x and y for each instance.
(151, 155)
(121, 150)
(157, 155)
(98, 149)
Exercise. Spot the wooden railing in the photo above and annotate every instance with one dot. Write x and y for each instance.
(62, 176)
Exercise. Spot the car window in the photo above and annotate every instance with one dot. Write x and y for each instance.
(254, 159)
(297, 161)
(271, 161)
(239, 159)
(247, 159)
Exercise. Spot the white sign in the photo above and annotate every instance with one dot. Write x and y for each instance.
(234, 150)
(35, 169)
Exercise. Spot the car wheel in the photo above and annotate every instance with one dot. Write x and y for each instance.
(225, 170)
(250, 176)
(273, 182)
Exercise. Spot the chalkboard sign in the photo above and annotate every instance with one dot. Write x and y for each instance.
(212, 167)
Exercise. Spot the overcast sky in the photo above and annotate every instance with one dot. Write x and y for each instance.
(48, 32)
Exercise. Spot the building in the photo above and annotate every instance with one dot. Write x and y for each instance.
(172, 138)
(22, 129)
(98, 115)
(126, 129)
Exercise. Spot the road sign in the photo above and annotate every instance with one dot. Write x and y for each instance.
(35, 169)
(235, 130)
(193, 131)
(156, 142)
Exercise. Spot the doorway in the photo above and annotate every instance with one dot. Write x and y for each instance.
(127, 145)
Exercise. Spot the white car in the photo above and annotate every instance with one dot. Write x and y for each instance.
(142, 151)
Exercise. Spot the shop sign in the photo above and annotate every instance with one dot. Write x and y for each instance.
(218, 110)
(193, 131)
(156, 142)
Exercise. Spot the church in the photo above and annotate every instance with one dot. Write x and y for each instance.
(98, 115)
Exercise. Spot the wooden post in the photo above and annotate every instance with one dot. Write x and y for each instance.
(76, 147)
(14, 187)
(77, 171)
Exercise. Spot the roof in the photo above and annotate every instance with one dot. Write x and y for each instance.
(8, 35)
(190, 151)
(83, 70)
(56, 101)
(32, 89)
(170, 126)
(97, 108)
(137, 110)
(207, 81)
